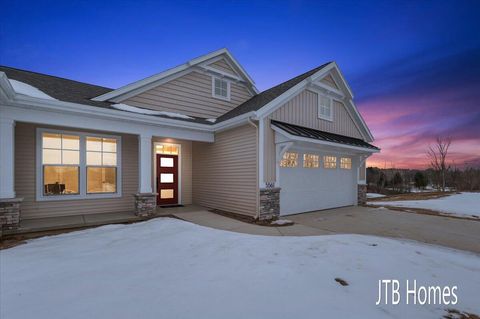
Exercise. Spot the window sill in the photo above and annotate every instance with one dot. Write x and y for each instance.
(54, 198)
(218, 97)
(330, 119)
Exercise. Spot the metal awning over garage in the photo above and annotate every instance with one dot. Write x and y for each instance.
(304, 133)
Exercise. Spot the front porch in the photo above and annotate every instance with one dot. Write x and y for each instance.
(42, 226)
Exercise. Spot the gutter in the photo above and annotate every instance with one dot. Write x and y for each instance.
(257, 195)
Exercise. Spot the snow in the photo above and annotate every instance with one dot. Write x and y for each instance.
(167, 268)
(211, 120)
(129, 108)
(281, 222)
(27, 89)
(463, 204)
(374, 195)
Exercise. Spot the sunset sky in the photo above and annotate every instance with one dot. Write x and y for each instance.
(414, 66)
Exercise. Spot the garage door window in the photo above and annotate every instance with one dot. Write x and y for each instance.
(290, 159)
(346, 163)
(330, 161)
(310, 161)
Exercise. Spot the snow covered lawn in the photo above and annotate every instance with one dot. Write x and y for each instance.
(463, 204)
(167, 268)
(374, 195)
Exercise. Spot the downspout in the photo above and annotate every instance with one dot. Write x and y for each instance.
(257, 199)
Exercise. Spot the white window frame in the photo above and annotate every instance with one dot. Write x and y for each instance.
(83, 167)
(227, 98)
(320, 115)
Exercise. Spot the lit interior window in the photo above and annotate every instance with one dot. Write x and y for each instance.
(330, 161)
(167, 149)
(60, 161)
(101, 165)
(290, 159)
(346, 163)
(310, 161)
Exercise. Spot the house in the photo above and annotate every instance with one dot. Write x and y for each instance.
(199, 133)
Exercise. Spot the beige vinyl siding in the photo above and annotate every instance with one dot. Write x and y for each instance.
(25, 179)
(225, 172)
(190, 94)
(303, 110)
(185, 167)
(223, 66)
(328, 80)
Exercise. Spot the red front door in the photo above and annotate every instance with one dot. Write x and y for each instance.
(167, 179)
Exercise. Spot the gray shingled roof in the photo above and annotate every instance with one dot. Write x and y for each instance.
(82, 93)
(301, 131)
(261, 99)
(59, 88)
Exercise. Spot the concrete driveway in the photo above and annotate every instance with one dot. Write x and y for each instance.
(437, 230)
(445, 231)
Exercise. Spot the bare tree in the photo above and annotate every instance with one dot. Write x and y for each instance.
(437, 154)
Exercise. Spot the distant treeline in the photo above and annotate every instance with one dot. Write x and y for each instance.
(407, 180)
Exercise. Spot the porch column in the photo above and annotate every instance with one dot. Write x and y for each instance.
(145, 163)
(9, 205)
(7, 139)
(145, 200)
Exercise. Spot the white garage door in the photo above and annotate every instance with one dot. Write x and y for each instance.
(309, 189)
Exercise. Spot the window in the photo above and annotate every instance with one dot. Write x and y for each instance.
(101, 165)
(289, 160)
(75, 165)
(310, 161)
(330, 161)
(346, 163)
(60, 164)
(325, 107)
(168, 149)
(220, 88)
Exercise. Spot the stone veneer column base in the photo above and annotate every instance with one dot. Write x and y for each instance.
(145, 204)
(269, 204)
(362, 194)
(9, 213)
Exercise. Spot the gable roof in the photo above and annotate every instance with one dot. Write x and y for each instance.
(261, 99)
(73, 91)
(310, 133)
(156, 79)
(259, 105)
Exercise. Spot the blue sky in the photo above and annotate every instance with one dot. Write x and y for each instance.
(396, 55)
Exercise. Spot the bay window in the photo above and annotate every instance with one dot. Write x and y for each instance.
(76, 165)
